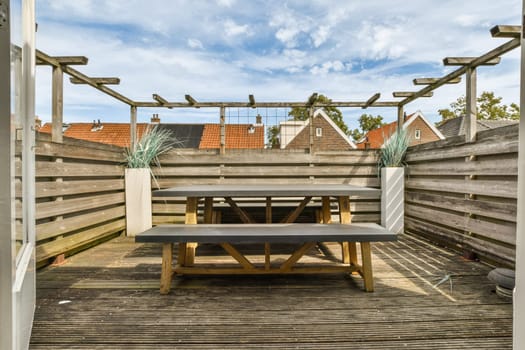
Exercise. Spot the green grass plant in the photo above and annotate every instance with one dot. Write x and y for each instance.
(394, 150)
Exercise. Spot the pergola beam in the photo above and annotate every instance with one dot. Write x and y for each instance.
(66, 60)
(498, 51)
(98, 80)
(191, 100)
(465, 61)
(503, 31)
(76, 74)
(349, 104)
(371, 100)
(428, 81)
(410, 94)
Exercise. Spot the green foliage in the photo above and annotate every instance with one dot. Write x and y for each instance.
(273, 136)
(301, 113)
(367, 122)
(489, 107)
(149, 147)
(394, 150)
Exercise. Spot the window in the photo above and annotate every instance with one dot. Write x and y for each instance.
(318, 132)
(417, 134)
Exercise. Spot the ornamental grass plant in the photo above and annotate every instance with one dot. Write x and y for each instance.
(153, 142)
(394, 150)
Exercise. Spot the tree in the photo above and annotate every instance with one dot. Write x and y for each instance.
(301, 113)
(488, 107)
(367, 122)
(273, 136)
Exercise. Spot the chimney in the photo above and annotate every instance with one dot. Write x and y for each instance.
(38, 123)
(155, 119)
(258, 120)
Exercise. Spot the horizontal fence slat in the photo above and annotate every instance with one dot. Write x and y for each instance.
(506, 189)
(67, 244)
(65, 188)
(60, 227)
(497, 210)
(67, 206)
(506, 167)
(82, 170)
(461, 242)
(507, 144)
(503, 231)
(65, 150)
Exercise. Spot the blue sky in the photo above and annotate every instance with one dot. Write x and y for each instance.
(224, 50)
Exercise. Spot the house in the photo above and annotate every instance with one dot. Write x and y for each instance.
(419, 129)
(237, 136)
(202, 136)
(456, 126)
(295, 134)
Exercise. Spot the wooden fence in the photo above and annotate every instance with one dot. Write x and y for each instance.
(180, 167)
(464, 195)
(79, 195)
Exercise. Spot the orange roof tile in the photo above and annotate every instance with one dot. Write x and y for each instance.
(117, 134)
(375, 138)
(237, 136)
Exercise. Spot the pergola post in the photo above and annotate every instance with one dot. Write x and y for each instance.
(222, 149)
(400, 117)
(312, 129)
(471, 109)
(57, 109)
(519, 290)
(133, 127)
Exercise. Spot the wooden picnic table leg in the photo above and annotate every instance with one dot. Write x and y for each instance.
(191, 219)
(167, 268)
(267, 245)
(208, 210)
(349, 249)
(366, 256)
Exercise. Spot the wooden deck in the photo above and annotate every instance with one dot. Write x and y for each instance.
(107, 298)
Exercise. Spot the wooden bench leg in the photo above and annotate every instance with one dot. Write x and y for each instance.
(366, 255)
(167, 268)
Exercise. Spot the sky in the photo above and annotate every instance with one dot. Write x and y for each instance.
(224, 50)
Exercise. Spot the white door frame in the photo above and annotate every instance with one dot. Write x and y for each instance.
(17, 268)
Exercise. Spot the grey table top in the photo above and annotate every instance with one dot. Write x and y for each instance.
(268, 190)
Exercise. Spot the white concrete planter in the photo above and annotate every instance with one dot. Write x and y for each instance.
(393, 199)
(138, 201)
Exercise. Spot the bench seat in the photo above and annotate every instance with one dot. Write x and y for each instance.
(307, 235)
(266, 233)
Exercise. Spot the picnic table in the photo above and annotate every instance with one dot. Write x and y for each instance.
(190, 234)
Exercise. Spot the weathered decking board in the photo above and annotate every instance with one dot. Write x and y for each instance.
(107, 298)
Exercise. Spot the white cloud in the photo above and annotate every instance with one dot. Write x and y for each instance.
(320, 35)
(233, 29)
(225, 3)
(195, 43)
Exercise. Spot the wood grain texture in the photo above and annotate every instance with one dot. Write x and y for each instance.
(115, 304)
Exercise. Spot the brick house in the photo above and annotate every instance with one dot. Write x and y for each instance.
(327, 135)
(419, 129)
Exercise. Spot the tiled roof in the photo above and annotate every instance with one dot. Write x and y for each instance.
(187, 135)
(237, 136)
(456, 126)
(375, 138)
(117, 134)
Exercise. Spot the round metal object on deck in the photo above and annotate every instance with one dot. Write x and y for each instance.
(504, 280)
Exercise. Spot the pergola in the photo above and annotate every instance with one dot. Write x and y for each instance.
(467, 66)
